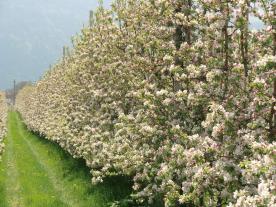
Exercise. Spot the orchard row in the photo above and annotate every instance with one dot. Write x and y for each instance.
(3, 120)
(179, 95)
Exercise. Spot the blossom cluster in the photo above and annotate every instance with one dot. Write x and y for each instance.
(3, 120)
(179, 95)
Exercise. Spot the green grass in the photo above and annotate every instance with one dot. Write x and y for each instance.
(35, 172)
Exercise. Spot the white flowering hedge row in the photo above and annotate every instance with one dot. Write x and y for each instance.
(3, 120)
(180, 95)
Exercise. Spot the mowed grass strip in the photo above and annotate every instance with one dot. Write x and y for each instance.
(35, 187)
(48, 176)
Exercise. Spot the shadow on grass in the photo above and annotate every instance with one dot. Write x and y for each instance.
(115, 188)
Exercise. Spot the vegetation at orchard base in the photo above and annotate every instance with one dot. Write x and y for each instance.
(179, 95)
(35, 172)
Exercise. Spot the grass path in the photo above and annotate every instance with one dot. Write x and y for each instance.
(37, 173)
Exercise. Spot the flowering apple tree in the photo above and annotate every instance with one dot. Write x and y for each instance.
(179, 95)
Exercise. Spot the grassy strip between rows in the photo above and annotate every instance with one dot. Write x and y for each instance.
(38, 173)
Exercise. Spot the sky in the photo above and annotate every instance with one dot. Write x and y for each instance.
(33, 33)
